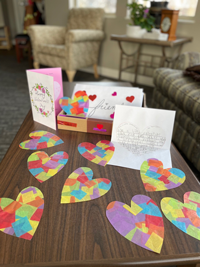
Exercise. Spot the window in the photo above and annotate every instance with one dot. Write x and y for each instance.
(187, 7)
(108, 5)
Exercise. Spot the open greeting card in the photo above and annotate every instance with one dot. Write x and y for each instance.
(92, 108)
(45, 88)
(141, 133)
(102, 99)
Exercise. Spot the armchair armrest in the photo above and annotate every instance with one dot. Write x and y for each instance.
(47, 34)
(76, 36)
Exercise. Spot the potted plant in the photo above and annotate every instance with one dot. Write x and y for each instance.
(142, 21)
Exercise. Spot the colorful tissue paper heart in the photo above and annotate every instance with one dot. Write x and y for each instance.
(101, 153)
(80, 186)
(41, 139)
(155, 178)
(78, 106)
(43, 167)
(142, 223)
(185, 216)
(21, 217)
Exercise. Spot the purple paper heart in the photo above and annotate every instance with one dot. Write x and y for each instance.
(142, 223)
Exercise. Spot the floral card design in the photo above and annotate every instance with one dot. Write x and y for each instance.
(40, 92)
(56, 73)
(41, 89)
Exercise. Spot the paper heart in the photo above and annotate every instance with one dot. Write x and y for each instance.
(130, 98)
(21, 217)
(112, 115)
(57, 90)
(185, 216)
(80, 186)
(150, 139)
(101, 153)
(78, 106)
(142, 223)
(43, 167)
(100, 126)
(155, 178)
(114, 94)
(92, 97)
(41, 139)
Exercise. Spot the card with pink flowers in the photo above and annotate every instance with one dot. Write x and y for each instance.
(44, 93)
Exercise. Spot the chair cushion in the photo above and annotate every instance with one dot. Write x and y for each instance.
(184, 92)
(54, 50)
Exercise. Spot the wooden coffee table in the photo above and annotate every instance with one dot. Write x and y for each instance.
(79, 234)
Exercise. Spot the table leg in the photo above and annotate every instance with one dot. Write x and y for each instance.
(18, 52)
(137, 62)
(120, 65)
(162, 63)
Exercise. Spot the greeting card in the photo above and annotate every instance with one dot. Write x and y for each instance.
(141, 133)
(45, 88)
(102, 99)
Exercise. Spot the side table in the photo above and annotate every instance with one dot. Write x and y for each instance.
(180, 41)
(22, 41)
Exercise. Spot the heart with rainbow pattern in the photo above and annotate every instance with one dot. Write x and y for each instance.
(155, 178)
(77, 107)
(80, 186)
(101, 153)
(43, 167)
(40, 140)
(21, 217)
(140, 223)
(185, 216)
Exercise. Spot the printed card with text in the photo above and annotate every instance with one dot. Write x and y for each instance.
(102, 99)
(45, 88)
(141, 133)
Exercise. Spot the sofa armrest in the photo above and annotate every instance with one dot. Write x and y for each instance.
(46, 35)
(76, 36)
(187, 59)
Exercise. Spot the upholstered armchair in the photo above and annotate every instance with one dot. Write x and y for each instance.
(73, 47)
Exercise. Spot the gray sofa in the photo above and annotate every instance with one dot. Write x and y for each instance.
(173, 91)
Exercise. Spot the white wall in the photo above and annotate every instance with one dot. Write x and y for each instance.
(56, 12)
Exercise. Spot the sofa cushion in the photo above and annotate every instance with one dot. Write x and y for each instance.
(184, 92)
(54, 50)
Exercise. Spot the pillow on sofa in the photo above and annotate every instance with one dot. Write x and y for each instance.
(193, 71)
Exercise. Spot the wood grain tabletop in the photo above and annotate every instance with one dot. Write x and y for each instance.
(79, 234)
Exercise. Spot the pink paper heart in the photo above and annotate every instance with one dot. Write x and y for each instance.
(114, 94)
(112, 115)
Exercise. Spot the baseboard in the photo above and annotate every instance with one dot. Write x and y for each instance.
(112, 73)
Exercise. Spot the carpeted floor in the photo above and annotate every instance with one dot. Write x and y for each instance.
(15, 102)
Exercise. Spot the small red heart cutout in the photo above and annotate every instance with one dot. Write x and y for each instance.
(92, 97)
(100, 126)
(130, 98)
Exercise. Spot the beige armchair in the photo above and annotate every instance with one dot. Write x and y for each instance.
(73, 47)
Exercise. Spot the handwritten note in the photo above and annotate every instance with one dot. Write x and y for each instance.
(41, 89)
(141, 133)
(137, 142)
